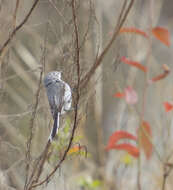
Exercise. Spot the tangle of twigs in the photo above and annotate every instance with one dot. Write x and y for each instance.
(37, 169)
(80, 84)
(77, 62)
(29, 142)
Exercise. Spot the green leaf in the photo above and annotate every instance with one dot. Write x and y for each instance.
(96, 183)
(67, 125)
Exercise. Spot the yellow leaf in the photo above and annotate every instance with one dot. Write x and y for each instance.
(74, 149)
(127, 159)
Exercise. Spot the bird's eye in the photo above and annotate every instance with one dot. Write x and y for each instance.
(48, 84)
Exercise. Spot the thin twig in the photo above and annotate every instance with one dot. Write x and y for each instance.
(37, 170)
(37, 69)
(29, 142)
(77, 61)
(98, 61)
(167, 168)
(83, 81)
(87, 29)
(15, 14)
(2, 49)
(144, 100)
(59, 12)
(5, 116)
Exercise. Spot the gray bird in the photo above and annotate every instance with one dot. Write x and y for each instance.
(59, 97)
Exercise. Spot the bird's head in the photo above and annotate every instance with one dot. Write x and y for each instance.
(51, 77)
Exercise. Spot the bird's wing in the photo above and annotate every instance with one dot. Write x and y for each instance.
(55, 96)
(67, 97)
(56, 93)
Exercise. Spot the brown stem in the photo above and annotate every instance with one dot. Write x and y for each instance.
(2, 49)
(15, 14)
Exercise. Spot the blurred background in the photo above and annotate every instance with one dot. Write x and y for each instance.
(45, 43)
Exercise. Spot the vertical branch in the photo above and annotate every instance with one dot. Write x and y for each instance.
(15, 14)
(39, 164)
(29, 142)
(77, 62)
(38, 168)
(98, 98)
(144, 97)
(76, 59)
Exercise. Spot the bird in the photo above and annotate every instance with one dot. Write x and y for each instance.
(59, 96)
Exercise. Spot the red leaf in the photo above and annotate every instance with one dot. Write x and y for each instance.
(131, 96)
(145, 136)
(134, 64)
(162, 34)
(115, 137)
(132, 150)
(168, 106)
(162, 75)
(133, 30)
(119, 95)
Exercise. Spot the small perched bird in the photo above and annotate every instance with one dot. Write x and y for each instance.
(59, 97)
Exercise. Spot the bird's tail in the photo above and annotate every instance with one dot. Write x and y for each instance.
(55, 128)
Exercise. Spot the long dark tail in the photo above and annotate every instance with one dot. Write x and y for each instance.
(55, 126)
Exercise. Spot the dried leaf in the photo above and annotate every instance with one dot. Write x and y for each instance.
(145, 136)
(168, 106)
(134, 64)
(162, 34)
(133, 30)
(74, 149)
(163, 75)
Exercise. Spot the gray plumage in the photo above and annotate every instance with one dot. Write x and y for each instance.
(59, 97)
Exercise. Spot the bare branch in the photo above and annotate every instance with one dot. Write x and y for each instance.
(15, 14)
(29, 142)
(77, 61)
(98, 61)
(4, 46)
(40, 162)
(80, 83)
